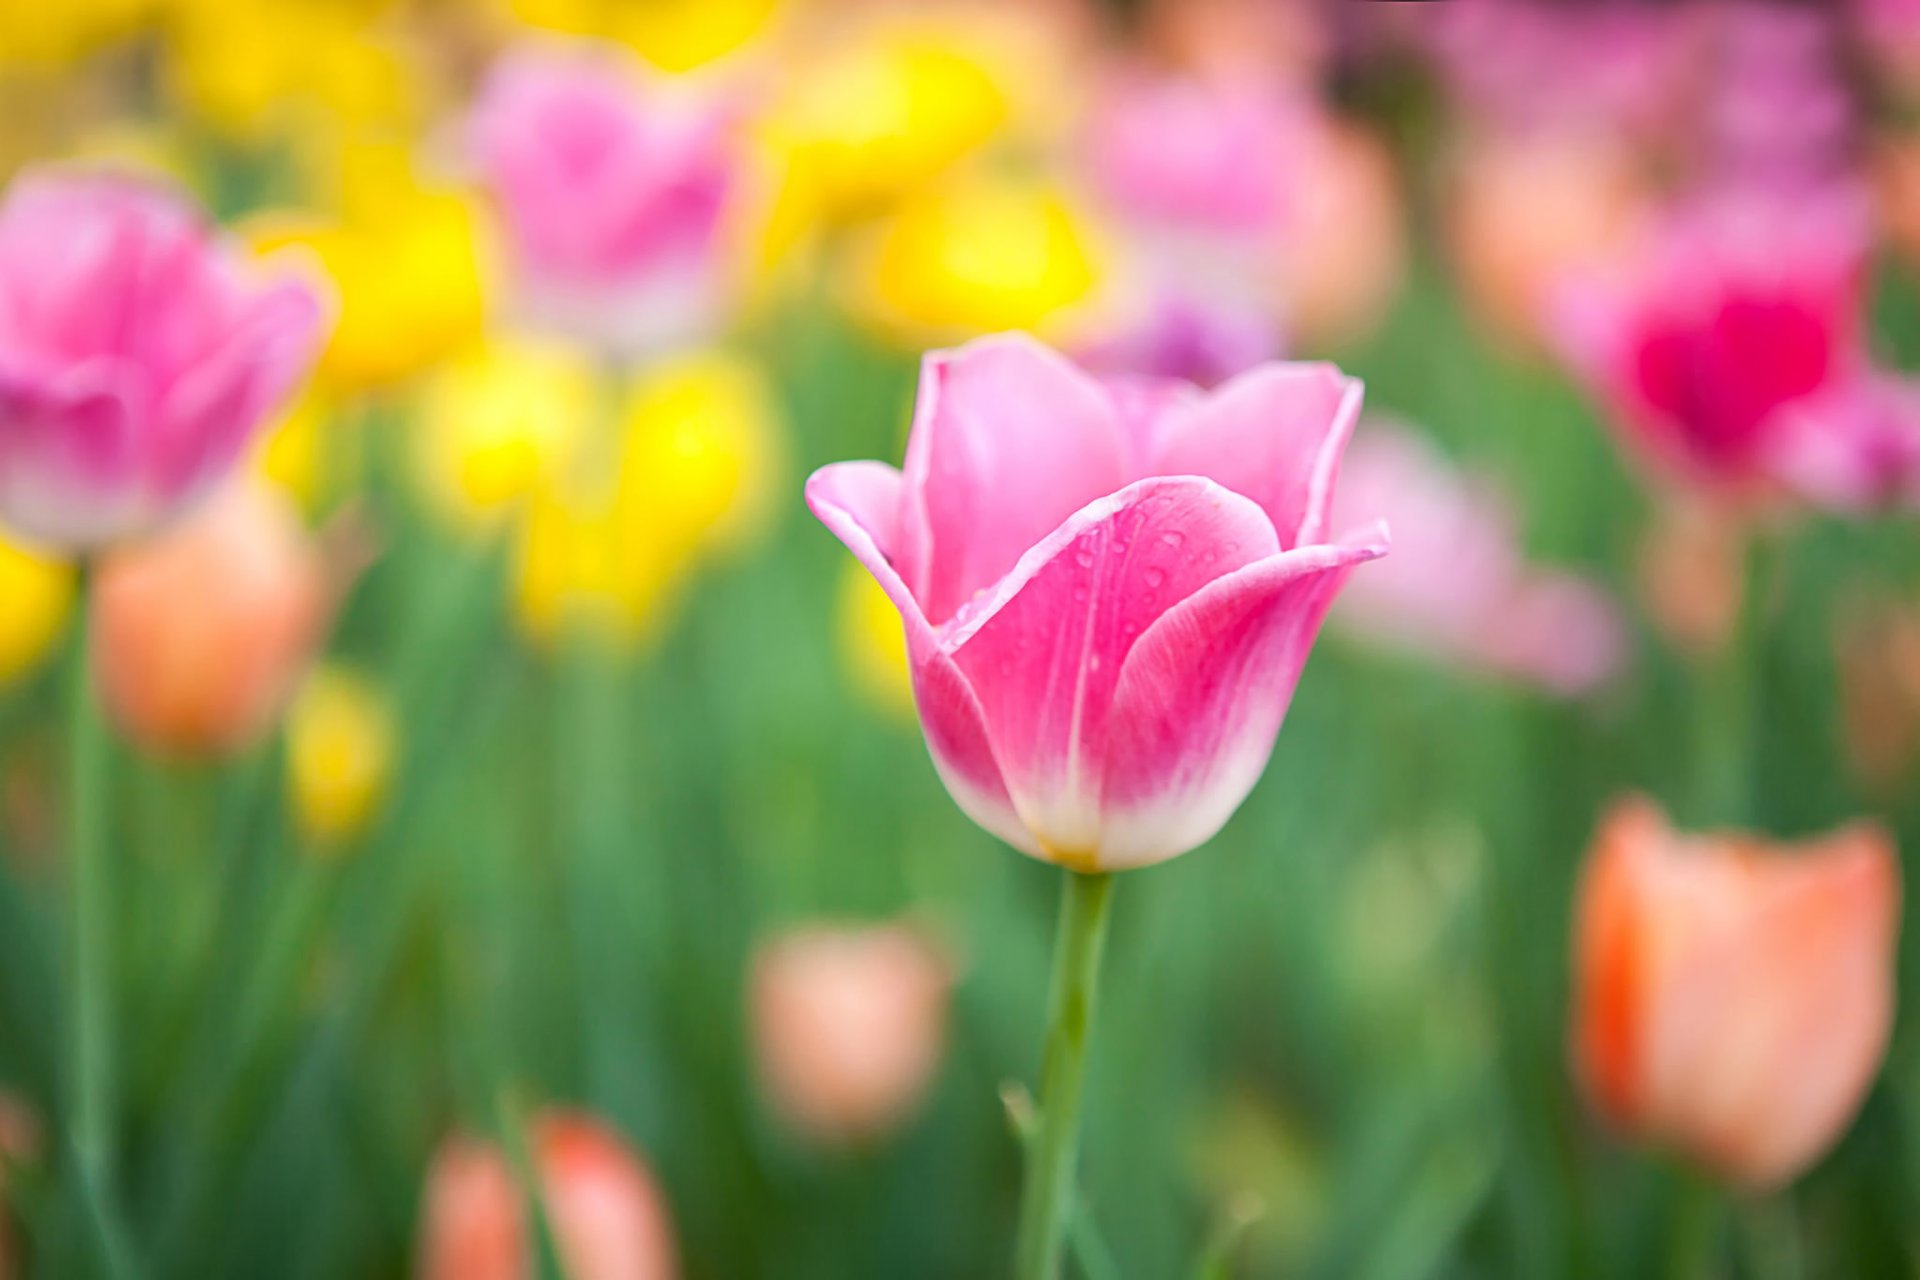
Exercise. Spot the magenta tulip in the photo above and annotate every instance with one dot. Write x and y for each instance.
(614, 187)
(137, 355)
(1741, 310)
(1109, 588)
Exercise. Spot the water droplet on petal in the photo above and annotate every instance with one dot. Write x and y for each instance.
(1155, 576)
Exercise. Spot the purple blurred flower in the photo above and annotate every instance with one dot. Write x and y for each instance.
(614, 188)
(137, 355)
(1458, 587)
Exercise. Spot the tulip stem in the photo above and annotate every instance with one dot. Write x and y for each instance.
(1046, 1203)
(90, 965)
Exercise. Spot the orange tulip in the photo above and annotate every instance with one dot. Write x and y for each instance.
(848, 1027)
(1732, 997)
(608, 1217)
(202, 631)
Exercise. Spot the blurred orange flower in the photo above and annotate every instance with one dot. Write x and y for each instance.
(1733, 997)
(608, 1216)
(202, 631)
(848, 1027)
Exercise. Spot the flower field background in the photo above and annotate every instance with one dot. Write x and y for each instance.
(501, 780)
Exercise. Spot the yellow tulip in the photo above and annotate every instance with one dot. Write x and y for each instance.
(884, 114)
(36, 595)
(702, 450)
(340, 754)
(499, 422)
(977, 256)
(241, 68)
(405, 259)
(873, 645)
(289, 453)
(40, 34)
(697, 454)
(674, 35)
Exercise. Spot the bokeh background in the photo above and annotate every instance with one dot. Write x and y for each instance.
(598, 721)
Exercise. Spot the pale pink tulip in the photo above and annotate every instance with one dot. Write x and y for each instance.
(137, 356)
(1732, 997)
(1109, 589)
(1738, 310)
(615, 188)
(1458, 587)
(608, 1216)
(848, 1025)
(201, 632)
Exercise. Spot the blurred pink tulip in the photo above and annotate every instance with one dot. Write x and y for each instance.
(614, 186)
(201, 632)
(1109, 589)
(1738, 310)
(1733, 998)
(608, 1217)
(848, 1026)
(1457, 586)
(137, 356)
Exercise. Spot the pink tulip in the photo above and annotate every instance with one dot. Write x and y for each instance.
(608, 1217)
(1109, 589)
(1733, 998)
(614, 188)
(848, 1025)
(1738, 310)
(137, 356)
(1458, 587)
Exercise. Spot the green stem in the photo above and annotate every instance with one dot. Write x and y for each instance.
(1769, 1230)
(89, 989)
(1046, 1204)
(1728, 717)
(1696, 1218)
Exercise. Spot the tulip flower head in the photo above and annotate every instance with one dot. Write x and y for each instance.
(1733, 998)
(202, 632)
(1109, 589)
(36, 597)
(1739, 312)
(1458, 587)
(848, 1027)
(608, 1216)
(615, 189)
(340, 749)
(137, 356)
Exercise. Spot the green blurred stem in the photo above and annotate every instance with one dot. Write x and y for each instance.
(1769, 1230)
(1728, 715)
(1046, 1204)
(1696, 1217)
(89, 980)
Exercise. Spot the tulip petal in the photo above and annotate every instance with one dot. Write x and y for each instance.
(860, 502)
(1009, 439)
(1275, 434)
(1046, 649)
(66, 446)
(1201, 697)
(209, 414)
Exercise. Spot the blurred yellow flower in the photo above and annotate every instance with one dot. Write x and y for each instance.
(405, 259)
(497, 423)
(288, 455)
(698, 450)
(702, 450)
(873, 644)
(340, 749)
(883, 114)
(53, 33)
(241, 68)
(977, 256)
(36, 595)
(674, 35)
